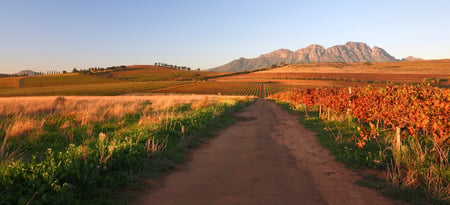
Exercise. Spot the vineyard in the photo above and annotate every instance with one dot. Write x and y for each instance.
(10, 82)
(117, 88)
(156, 73)
(413, 122)
(216, 87)
(64, 79)
(231, 88)
(273, 87)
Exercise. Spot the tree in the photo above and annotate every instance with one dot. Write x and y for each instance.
(74, 70)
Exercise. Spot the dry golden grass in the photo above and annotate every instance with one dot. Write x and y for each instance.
(21, 126)
(88, 109)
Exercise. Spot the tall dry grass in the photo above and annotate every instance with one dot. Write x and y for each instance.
(21, 114)
(27, 116)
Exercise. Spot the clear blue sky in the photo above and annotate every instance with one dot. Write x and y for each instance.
(62, 34)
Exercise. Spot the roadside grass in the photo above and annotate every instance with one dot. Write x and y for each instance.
(339, 138)
(92, 163)
(90, 89)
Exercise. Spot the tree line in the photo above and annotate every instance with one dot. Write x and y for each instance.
(177, 67)
(98, 69)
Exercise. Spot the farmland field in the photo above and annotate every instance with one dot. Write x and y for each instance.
(352, 77)
(10, 82)
(397, 72)
(213, 87)
(64, 79)
(117, 88)
(401, 67)
(155, 73)
(247, 87)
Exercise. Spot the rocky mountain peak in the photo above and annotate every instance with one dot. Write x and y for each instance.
(349, 52)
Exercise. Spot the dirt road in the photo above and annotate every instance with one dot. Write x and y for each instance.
(265, 158)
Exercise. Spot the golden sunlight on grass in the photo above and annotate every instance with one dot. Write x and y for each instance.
(94, 109)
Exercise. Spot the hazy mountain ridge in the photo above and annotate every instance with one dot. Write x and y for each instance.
(350, 52)
(412, 58)
(26, 73)
(21, 73)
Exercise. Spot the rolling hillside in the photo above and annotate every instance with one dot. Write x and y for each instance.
(157, 73)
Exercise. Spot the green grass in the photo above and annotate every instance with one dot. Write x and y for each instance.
(90, 89)
(81, 173)
(344, 147)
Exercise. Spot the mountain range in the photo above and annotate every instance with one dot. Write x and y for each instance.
(350, 52)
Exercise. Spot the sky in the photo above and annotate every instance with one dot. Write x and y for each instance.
(44, 35)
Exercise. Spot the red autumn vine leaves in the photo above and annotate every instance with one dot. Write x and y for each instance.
(420, 110)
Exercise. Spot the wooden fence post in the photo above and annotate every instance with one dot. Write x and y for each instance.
(306, 109)
(349, 109)
(329, 114)
(398, 142)
(320, 111)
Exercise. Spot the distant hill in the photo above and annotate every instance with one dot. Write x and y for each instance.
(350, 52)
(412, 58)
(157, 73)
(25, 73)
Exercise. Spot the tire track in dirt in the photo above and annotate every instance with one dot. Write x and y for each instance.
(266, 157)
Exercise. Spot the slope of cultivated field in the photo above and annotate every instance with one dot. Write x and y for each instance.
(130, 74)
(10, 82)
(398, 72)
(352, 77)
(216, 87)
(156, 73)
(117, 88)
(65, 79)
(248, 87)
(411, 67)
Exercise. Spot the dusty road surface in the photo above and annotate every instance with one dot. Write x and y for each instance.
(266, 157)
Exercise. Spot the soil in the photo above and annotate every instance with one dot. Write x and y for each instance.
(267, 157)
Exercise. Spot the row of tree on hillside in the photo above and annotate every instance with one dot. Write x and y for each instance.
(95, 70)
(99, 69)
(74, 70)
(31, 73)
(165, 65)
